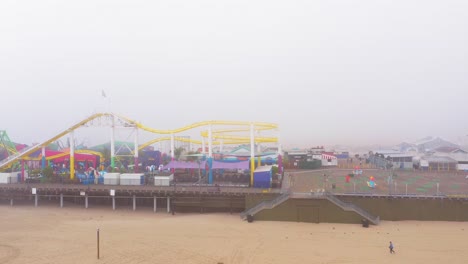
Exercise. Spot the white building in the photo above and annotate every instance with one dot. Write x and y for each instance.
(457, 154)
(329, 160)
(401, 160)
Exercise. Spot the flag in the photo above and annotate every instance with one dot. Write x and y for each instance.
(103, 94)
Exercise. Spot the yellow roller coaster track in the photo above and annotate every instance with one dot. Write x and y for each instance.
(234, 140)
(81, 151)
(257, 125)
(217, 134)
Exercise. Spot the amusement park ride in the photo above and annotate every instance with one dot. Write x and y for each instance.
(209, 137)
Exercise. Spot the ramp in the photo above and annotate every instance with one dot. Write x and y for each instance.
(265, 205)
(352, 207)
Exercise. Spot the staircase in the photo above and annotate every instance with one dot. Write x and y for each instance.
(265, 205)
(352, 207)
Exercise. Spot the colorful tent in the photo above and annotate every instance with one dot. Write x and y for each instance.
(231, 165)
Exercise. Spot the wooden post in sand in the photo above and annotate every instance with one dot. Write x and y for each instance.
(134, 202)
(98, 243)
(168, 204)
(34, 192)
(112, 193)
(155, 204)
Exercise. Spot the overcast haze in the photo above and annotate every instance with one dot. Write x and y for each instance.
(328, 72)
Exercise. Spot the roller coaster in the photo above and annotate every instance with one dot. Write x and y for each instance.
(113, 120)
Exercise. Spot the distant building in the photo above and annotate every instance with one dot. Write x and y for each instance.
(295, 156)
(340, 154)
(458, 154)
(317, 150)
(436, 163)
(401, 160)
(329, 160)
(446, 149)
(429, 144)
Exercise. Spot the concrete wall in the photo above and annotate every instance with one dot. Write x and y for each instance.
(303, 210)
(393, 209)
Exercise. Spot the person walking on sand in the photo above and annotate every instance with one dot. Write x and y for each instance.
(391, 248)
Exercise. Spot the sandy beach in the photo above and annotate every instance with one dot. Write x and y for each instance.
(52, 235)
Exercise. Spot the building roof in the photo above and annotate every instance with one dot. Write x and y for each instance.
(433, 143)
(400, 155)
(439, 159)
(387, 151)
(241, 149)
(447, 149)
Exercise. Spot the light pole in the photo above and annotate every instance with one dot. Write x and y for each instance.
(199, 173)
(325, 182)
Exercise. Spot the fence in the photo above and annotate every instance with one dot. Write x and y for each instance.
(387, 182)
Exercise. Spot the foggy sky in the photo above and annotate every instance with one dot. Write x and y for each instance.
(328, 72)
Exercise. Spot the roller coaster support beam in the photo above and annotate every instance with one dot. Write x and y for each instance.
(136, 150)
(72, 155)
(210, 170)
(280, 157)
(112, 144)
(172, 151)
(210, 142)
(252, 154)
(172, 147)
(280, 164)
(203, 146)
(43, 163)
(280, 150)
(210, 155)
(22, 170)
(259, 150)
